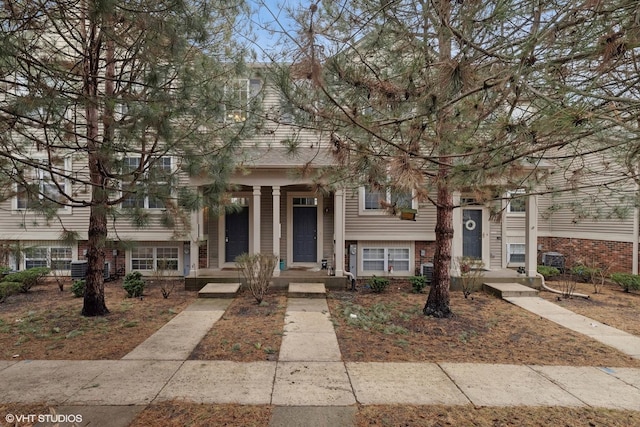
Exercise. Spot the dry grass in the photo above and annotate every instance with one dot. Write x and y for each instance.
(440, 416)
(247, 332)
(179, 414)
(46, 323)
(391, 327)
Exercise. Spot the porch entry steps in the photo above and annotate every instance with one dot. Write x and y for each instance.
(507, 290)
(219, 290)
(307, 290)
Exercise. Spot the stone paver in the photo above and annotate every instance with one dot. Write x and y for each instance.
(312, 346)
(308, 333)
(312, 416)
(103, 416)
(507, 385)
(308, 322)
(177, 339)
(593, 386)
(221, 382)
(312, 384)
(6, 363)
(126, 382)
(403, 383)
(51, 381)
(630, 376)
(219, 290)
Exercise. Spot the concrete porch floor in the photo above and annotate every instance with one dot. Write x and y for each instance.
(230, 275)
(295, 275)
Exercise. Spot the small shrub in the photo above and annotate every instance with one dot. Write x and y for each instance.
(133, 284)
(378, 284)
(627, 281)
(166, 287)
(7, 289)
(547, 271)
(471, 274)
(418, 283)
(585, 274)
(257, 270)
(27, 278)
(77, 288)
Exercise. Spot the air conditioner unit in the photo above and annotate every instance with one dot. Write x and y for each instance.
(553, 259)
(426, 270)
(78, 270)
(107, 270)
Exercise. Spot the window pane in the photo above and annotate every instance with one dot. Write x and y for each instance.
(142, 258)
(305, 201)
(372, 199)
(398, 258)
(60, 264)
(373, 259)
(402, 200)
(33, 263)
(516, 252)
(516, 202)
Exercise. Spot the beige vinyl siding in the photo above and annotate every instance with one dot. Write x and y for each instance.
(360, 226)
(589, 213)
(273, 131)
(495, 245)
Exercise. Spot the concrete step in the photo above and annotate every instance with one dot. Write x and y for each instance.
(219, 290)
(507, 290)
(307, 290)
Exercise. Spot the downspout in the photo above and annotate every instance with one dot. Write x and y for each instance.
(555, 291)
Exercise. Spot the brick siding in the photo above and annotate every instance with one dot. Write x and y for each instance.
(617, 255)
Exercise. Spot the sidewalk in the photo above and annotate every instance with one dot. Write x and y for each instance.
(310, 382)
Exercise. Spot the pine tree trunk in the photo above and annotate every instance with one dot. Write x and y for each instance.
(438, 301)
(94, 303)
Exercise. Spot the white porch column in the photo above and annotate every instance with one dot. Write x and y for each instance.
(255, 235)
(338, 230)
(531, 236)
(194, 241)
(456, 243)
(276, 227)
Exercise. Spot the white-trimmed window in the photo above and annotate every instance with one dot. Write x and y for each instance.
(239, 94)
(516, 202)
(374, 200)
(45, 184)
(55, 257)
(158, 175)
(515, 253)
(147, 258)
(382, 259)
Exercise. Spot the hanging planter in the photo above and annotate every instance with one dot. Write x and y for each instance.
(408, 214)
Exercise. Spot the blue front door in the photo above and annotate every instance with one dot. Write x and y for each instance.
(472, 233)
(305, 234)
(236, 234)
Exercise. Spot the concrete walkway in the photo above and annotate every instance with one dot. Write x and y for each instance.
(309, 384)
(623, 341)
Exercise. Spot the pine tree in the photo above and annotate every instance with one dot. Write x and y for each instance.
(117, 86)
(442, 97)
